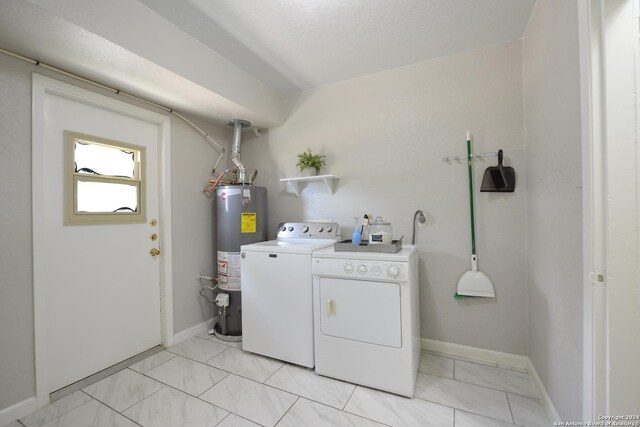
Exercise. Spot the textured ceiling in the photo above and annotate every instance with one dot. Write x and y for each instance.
(294, 45)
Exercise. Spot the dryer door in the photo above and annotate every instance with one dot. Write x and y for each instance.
(361, 310)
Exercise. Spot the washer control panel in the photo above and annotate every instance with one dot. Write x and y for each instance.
(308, 230)
(359, 269)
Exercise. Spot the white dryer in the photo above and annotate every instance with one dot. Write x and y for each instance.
(367, 318)
(277, 291)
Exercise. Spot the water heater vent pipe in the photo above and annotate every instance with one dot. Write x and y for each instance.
(238, 125)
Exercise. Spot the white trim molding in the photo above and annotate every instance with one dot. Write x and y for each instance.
(542, 392)
(41, 86)
(193, 330)
(17, 411)
(504, 359)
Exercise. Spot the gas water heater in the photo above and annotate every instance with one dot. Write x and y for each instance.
(241, 214)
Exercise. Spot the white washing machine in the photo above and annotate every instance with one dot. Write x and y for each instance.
(277, 291)
(367, 318)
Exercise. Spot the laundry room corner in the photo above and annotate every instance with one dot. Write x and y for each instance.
(193, 222)
(385, 135)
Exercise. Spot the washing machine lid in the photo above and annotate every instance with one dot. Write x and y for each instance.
(404, 255)
(289, 246)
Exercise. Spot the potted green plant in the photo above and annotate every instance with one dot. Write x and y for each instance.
(309, 163)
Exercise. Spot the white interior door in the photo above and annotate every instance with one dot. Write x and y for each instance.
(101, 287)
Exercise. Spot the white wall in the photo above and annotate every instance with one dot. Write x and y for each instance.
(17, 376)
(385, 135)
(192, 232)
(554, 201)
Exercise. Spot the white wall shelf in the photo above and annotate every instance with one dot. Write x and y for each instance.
(294, 183)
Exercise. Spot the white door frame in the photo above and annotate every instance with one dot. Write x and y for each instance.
(594, 205)
(41, 86)
(596, 223)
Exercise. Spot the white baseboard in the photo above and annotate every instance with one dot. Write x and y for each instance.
(195, 329)
(505, 359)
(542, 392)
(19, 410)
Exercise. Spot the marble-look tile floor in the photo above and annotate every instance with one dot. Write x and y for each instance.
(205, 382)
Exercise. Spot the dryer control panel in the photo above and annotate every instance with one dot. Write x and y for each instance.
(308, 230)
(360, 269)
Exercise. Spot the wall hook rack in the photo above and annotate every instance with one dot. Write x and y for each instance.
(473, 156)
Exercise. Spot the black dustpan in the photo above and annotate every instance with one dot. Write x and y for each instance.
(499, 178)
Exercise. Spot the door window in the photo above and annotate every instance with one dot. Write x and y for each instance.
(103, 180)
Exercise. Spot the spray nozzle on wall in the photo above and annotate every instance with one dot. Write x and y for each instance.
(422, 222)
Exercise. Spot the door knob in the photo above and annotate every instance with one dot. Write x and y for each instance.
(154, 252)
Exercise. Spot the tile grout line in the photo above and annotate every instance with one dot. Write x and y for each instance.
(485, 416)
(202, 400)
(343, 411)
(143, 373)
(287, 411)
(483, 386)
(513, 419)
(459, 409)
(165, 385)
(248, 379)
(59, 415)
(275, 372)
(183, 391)
(224, 418)
(474, 361)
(494, 389)
(486, 364)
(350, 396)
(245, 377)
(307, 397)
(143, 399)
(112, 408)
(206, 340)
(503, 371)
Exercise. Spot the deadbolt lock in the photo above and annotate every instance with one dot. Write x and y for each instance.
(153, 237)
(153, 222)
(154, 252)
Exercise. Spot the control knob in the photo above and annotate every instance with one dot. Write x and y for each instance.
(305, 229)
(320, 229)
(348, 268)
(283, 229)
(393, 270)
(376, 270)
(362, 269)
(329, 229)
(290, 228)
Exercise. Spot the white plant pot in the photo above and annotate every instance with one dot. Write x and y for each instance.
(309, 172)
